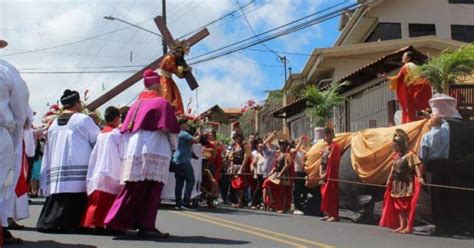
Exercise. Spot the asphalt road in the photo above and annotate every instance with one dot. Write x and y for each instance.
(241, 228)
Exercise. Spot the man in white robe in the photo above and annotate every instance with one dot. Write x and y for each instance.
(16, 201)
(14, 97)
(70, 140)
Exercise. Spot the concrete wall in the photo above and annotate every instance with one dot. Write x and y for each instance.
(438, 12)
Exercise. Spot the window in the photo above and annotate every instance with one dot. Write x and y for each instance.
(386, 31)
(417, 30)
(462, 33)
(462, 1)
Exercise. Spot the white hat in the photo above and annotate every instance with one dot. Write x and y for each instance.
(444, 105)
(3, 43)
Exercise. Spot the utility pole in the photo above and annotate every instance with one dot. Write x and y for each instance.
(197, 99)
(285, 61)
(163, 12)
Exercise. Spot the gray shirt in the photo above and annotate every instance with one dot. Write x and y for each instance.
(269, 155)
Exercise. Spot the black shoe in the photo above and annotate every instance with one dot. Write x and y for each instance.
(142, 233)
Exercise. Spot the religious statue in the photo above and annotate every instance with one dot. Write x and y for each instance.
(173, 63)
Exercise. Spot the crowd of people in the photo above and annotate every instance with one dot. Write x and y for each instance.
(109, 176)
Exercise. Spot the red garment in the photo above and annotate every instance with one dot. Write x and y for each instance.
(108, 128)
(279, 192)
(393, 206)
(22, 187)
(242, 181)
(238, 182)
(412, 96)
(330, 189)
(218, 164)
(98, 205)
(169, 89)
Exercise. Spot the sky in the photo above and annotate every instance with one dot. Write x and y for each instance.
(61, 35)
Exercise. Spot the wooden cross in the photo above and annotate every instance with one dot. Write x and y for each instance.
(137, 76)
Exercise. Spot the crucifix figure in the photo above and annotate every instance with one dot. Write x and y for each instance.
(174, 63)
(163, 63)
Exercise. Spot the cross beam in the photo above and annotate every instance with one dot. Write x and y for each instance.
(137, 76)
(170, 42)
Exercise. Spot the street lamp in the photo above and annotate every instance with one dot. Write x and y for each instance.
(111, 18)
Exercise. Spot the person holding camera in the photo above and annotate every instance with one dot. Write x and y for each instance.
(183, 170)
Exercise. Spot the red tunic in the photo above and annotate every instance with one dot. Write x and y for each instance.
(22, 183)
(98, 203)
(330, 190)
(279, 191)
(413, 95)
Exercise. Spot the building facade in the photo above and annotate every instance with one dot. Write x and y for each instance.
(368, 35)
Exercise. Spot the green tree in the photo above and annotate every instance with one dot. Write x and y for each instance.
(448, 68)
(322, 102)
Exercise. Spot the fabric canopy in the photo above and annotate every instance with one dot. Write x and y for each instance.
(371, 151)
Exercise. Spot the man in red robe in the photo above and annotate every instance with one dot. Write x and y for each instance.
(413, 93)
(330, 170)
(173, 63)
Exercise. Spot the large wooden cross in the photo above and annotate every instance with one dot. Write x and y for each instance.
(170, 42)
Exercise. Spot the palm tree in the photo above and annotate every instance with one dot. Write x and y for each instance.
(448, 68)
(322, 102)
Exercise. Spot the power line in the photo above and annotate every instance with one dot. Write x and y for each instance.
(77, 72)
(281, 33)
(253, 30)
(216, 20)
(276, 35)
(274, 29)
(74, 42)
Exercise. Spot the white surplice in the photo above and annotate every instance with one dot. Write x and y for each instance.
(14, 109)
(105, 164)
(66, 156)
(148, 155)
(16, 207)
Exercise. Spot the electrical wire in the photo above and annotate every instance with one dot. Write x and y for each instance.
(273, 36)
(274, 29)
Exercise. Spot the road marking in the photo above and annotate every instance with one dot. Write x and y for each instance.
(254, 230)
(267, 231)
(242, 230)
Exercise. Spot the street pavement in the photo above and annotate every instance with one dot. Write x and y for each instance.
(225, 227)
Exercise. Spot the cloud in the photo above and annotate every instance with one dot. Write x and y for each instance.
(228, 81)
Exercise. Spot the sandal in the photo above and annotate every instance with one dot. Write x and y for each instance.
(332, 219)
(325, 218)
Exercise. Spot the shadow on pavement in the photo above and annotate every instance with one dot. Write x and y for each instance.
(229, 210)
(51, 244)
(188, 240)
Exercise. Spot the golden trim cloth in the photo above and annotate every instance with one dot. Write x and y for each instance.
(371, 152)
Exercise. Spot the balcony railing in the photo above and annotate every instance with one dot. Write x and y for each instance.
(464, 93)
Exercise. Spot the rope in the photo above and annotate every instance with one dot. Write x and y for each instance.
(362, 183)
